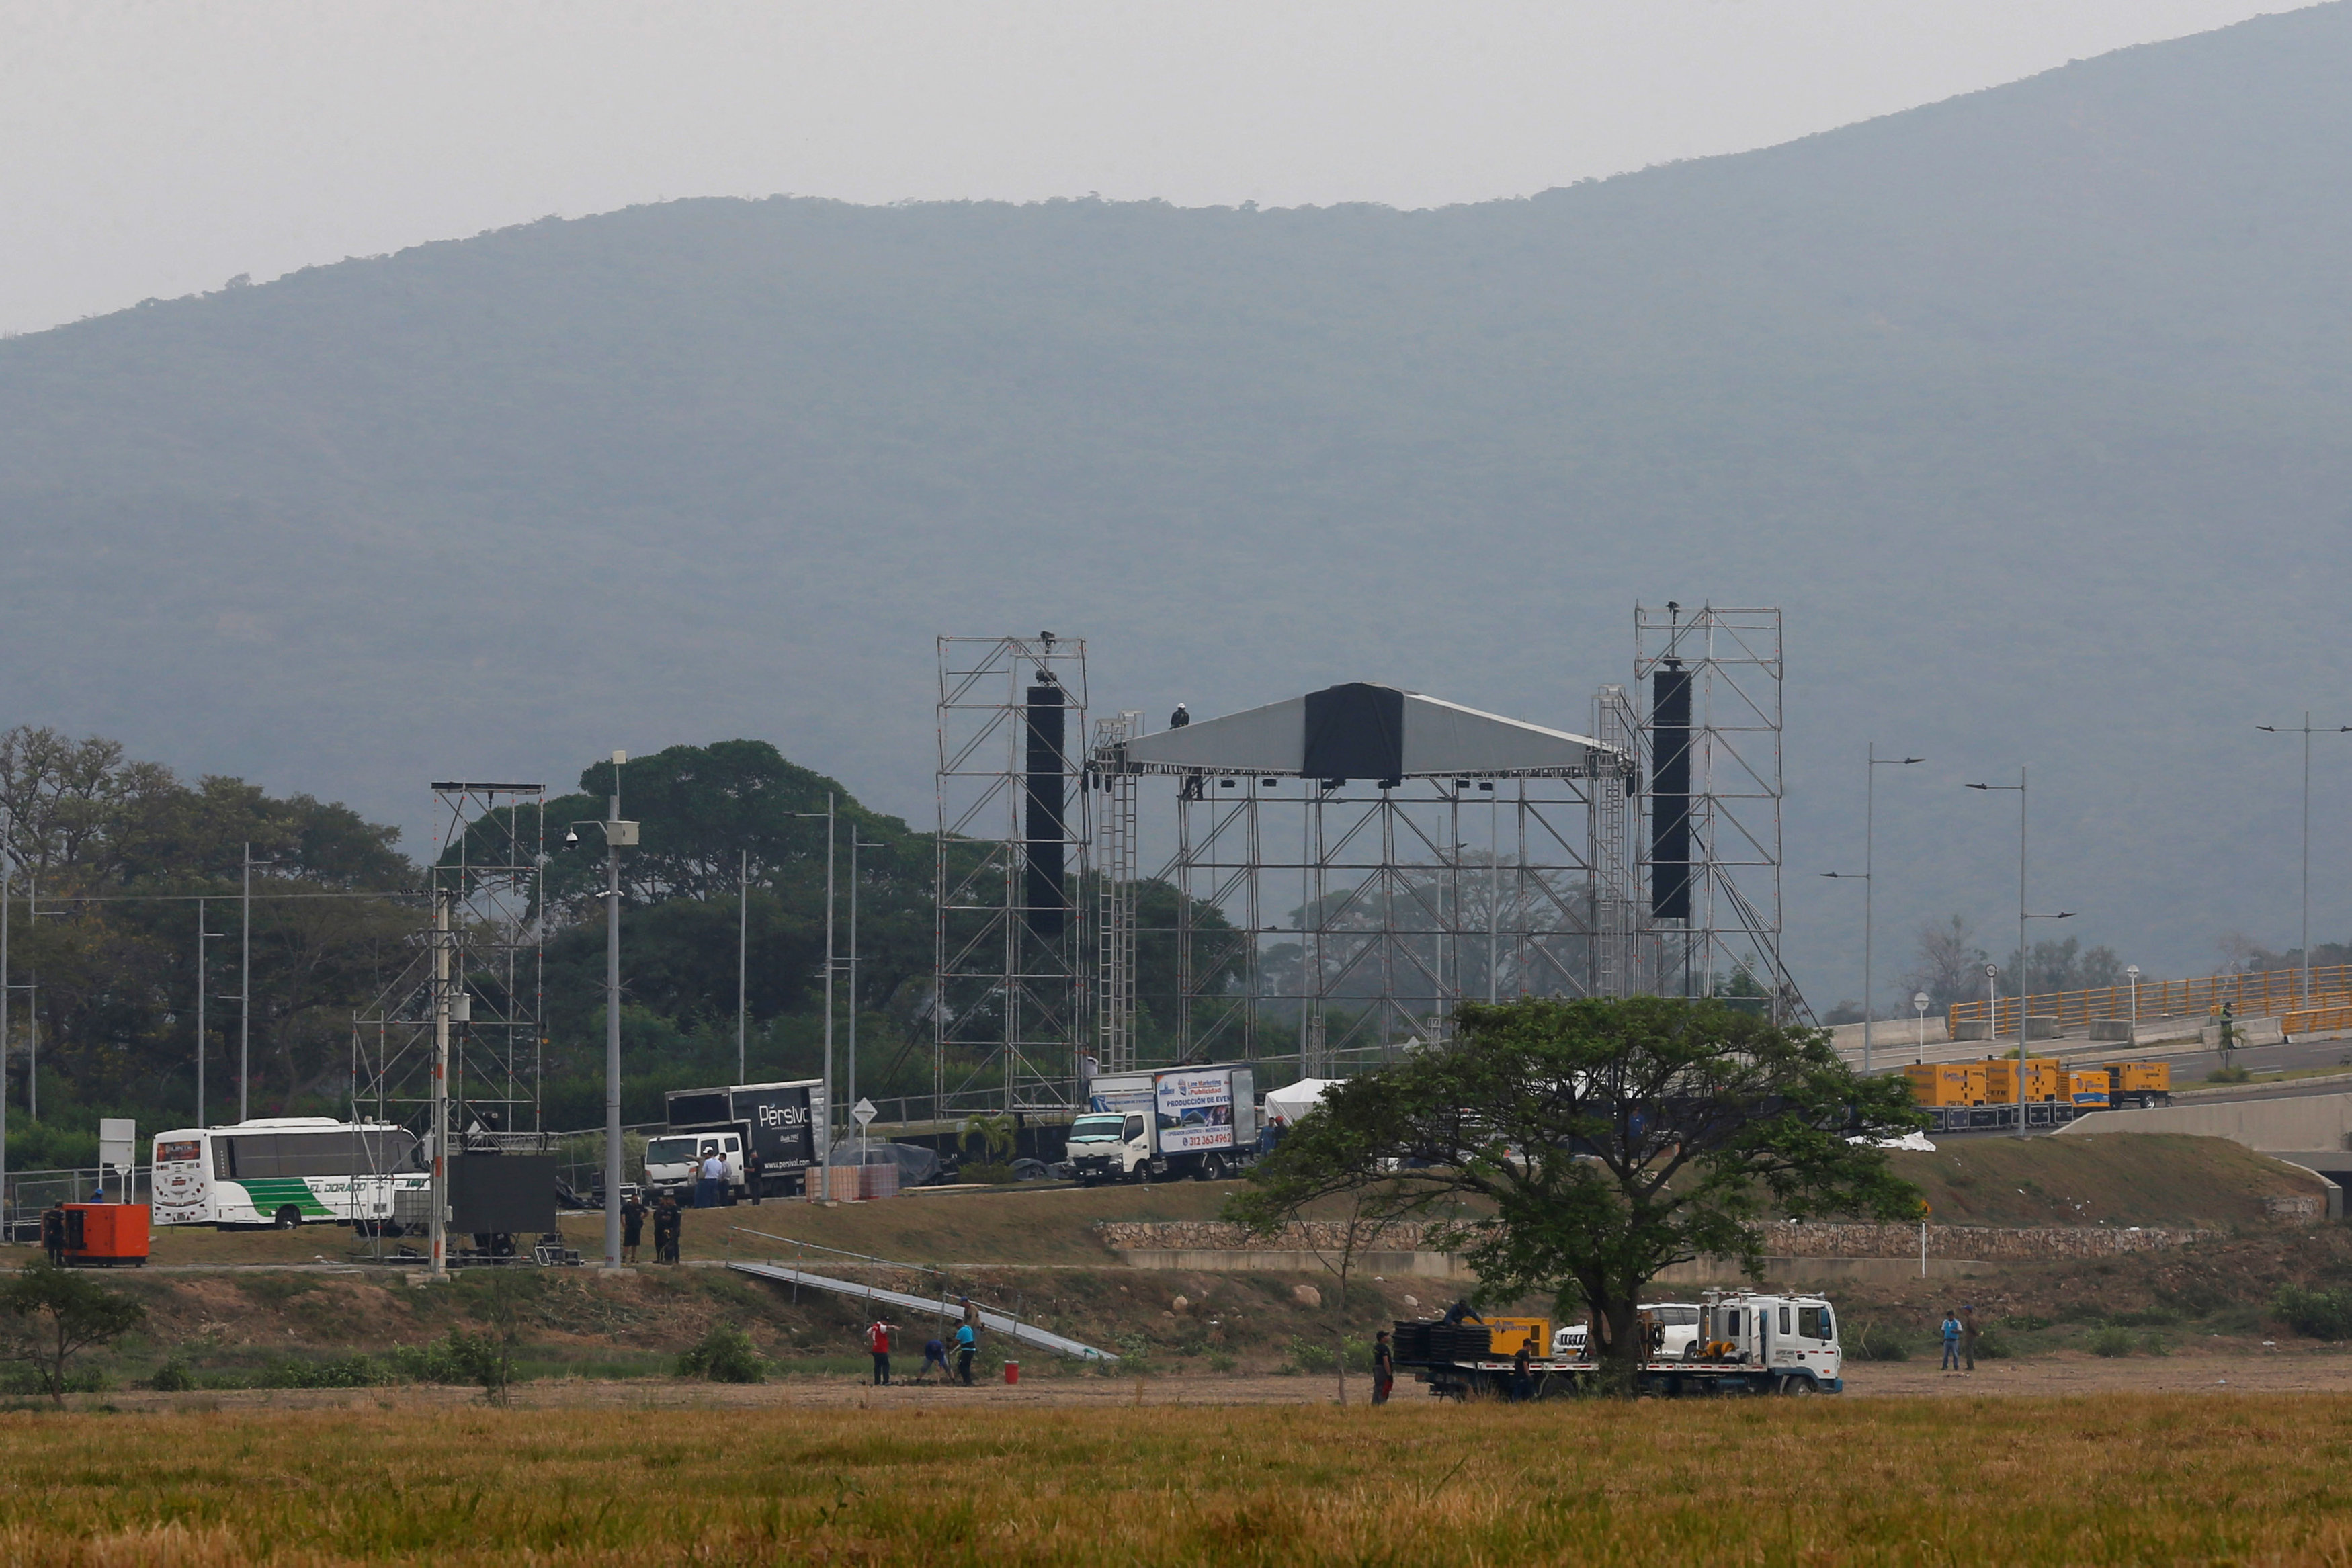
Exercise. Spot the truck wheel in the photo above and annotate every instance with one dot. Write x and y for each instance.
(1143, 1173)
(1799, 1388)
(287, 1218)
(1213, 1168)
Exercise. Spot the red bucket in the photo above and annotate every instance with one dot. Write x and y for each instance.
(1012, 1372)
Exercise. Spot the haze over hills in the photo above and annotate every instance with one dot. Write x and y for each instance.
(2029, 407)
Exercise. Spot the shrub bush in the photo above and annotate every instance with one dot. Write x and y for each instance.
(2111, 1341)
(726, 1354)
(343, 1371)
(2315, 1314)
(175, 1376)
(2229, 1075)
(1875, 1342)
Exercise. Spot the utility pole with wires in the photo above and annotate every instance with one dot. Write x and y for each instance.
(2306, 730)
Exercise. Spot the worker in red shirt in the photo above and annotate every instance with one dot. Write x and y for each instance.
(878, 1339)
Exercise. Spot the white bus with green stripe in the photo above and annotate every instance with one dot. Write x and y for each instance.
(286, 1171)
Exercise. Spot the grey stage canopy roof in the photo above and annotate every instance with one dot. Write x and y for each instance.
(1365, 731)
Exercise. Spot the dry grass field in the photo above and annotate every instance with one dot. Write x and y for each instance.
(2181, 1477)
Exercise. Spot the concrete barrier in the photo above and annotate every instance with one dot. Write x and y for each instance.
(2289, 1122)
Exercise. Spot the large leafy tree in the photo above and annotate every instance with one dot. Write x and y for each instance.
(1575, 1149)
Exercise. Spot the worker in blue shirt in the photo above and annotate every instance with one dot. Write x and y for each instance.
(1951, 1342)
(966, 1342)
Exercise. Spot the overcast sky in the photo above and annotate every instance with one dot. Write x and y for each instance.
(156, 148)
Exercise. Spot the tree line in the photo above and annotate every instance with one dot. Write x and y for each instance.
(111, 855)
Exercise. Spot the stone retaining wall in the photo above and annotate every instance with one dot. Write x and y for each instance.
(1786, 1239)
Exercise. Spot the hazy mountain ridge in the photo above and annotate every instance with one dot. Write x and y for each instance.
(2028, 406)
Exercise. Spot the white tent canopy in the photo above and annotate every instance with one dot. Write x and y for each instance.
(1286, 1105)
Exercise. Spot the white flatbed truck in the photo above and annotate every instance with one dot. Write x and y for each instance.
(1748, 1342)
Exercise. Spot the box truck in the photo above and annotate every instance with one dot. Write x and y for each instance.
(773, 1120)
(1198, 1121)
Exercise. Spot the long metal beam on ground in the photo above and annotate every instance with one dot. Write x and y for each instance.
(998, 1322)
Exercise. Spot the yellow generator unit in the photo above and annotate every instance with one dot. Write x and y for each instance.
(2136, 1085)
(1947, 1083)
(2087, 1087)
(2045, 1081)
(1504, 1335)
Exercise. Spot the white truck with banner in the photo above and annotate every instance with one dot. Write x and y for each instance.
(1197, 1122)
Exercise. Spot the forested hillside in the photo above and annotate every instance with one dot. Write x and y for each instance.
(2029, 407)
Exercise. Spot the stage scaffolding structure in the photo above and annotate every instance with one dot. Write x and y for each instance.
(1010, 982)
(1335, 922)
(489, 922)
(1708, 684)
(1116, 853)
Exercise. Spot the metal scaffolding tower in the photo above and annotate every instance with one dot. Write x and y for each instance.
(1618, 916)
(1115, 898)
(1009, 982)
(1710, 721)
(472, 993)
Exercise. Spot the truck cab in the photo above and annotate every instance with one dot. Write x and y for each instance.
(1109, 1145)
(673, 1162)
(1792, 1339)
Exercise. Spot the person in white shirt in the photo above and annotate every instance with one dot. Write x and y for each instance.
(712, 1187)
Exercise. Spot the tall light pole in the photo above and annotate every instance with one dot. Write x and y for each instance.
(1870, 882)
(244, 986)
(203, 936)
(7, 871)
(1920, 1006)
(618, 835)
(849, 1096)
(742, 953)
(2305, 730)
(2131, 973)
(2023, 966)
(824, 1150)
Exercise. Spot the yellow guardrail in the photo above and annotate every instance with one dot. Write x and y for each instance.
(2268, 991)
(2319, 1019)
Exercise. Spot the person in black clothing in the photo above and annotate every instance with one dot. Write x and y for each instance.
(753, 1168)
(1523, 1381)
(1461, 1312)
(669, 1222)
(1383, 1367)
(53, 1232)
(633, 1226)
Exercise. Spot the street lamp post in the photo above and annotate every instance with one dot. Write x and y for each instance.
(2022, 965)
(1869, 883)
(2131, 973)
(2305, 730)
(1920, 1006)
(618, 835)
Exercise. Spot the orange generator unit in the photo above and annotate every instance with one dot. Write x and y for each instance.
(106, 1235)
